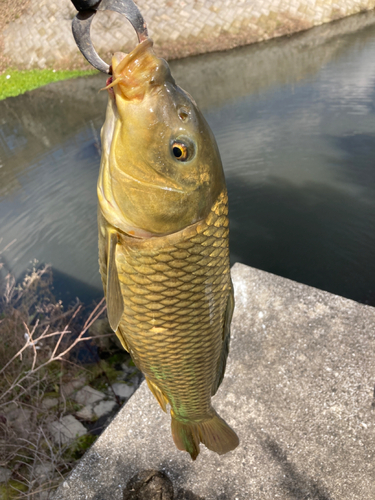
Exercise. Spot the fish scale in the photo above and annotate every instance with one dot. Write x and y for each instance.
(175, 291)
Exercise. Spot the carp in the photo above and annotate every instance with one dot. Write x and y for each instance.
(163, 244)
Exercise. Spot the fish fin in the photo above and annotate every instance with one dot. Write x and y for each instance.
(115, 302)
(222, 362)
(214, 433)
(161, 399)
(122, 339)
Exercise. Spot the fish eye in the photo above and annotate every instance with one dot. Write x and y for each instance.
(180, 151)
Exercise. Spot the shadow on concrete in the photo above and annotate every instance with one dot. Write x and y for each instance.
(298, 485)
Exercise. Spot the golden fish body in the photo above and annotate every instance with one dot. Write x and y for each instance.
(163, 245)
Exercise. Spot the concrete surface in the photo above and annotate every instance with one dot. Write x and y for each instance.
(41, 37)
(299, 391)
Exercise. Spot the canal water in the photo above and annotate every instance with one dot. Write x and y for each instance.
(295, 123)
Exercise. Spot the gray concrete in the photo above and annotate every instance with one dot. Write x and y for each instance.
(41, 37)
(298, 390)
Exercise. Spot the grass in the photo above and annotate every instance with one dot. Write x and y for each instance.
(15, 82)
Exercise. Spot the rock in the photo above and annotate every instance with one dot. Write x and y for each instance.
(18, 416)
(67, 429)
(43, 470)
(101, 327)
(19, 419)
(48, 403)
(104, 407)
(4, 474)
(128, 369)
(87, 395)
(68, 388)
(187, 495)
(9, 407)
(86, 413)
(149, 485)
(122, 390)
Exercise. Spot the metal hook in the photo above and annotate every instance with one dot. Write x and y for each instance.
(82, 22)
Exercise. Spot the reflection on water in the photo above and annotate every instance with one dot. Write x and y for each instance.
(295, 124)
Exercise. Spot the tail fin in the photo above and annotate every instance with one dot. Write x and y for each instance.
(214, 433)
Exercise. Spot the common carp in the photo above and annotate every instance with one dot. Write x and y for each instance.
(163, 244)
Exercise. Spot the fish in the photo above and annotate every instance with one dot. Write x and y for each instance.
(164, 244)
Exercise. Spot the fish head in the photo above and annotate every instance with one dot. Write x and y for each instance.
(164, 167)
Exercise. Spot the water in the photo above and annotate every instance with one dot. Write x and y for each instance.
(295, 124)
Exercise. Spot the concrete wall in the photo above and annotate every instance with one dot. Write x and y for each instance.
(41, 37)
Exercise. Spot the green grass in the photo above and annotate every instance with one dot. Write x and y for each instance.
(14, 82)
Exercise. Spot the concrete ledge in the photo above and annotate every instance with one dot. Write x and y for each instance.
(298, 390)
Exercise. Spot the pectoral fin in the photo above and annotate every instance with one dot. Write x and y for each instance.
(115, 303)
(226, 338)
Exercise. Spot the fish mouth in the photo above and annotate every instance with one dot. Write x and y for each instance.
(135, 73)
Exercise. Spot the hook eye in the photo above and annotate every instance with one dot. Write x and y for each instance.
(82, 22)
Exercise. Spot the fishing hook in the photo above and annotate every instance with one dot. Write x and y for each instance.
(82, 22)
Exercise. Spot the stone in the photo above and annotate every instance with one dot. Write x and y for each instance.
(122, 390)
(48, 403)
(298, 390)
(187, 495)
(19, 419)
(101, 327)
(104, 407)
(149, 485)
(9, 407)
(86, 413)
(68, 389)
(43, 470)
(4, 474)
(128, 369)
(67, 429)
(87, 395)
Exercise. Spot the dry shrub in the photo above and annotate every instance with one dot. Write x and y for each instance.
(36, 338)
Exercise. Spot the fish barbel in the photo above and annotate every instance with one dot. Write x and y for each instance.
(163, 244)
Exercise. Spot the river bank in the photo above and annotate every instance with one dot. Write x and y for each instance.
(179, 29)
